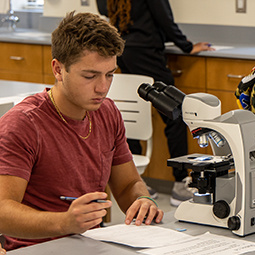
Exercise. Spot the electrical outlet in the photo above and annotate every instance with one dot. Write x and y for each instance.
(84, 2)
(241, 6)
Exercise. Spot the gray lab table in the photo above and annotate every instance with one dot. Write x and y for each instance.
(79, 245)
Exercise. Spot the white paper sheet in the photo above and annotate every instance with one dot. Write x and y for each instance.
(144, 236)
(206, 244)
(219, 47)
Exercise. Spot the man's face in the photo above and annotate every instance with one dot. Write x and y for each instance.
(86, 84)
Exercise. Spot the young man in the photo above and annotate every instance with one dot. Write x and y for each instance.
(69, 141)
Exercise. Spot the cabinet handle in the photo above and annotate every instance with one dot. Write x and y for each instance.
(16, 58)
(236, 76)
(177, 72)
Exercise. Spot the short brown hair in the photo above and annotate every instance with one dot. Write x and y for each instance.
(84, 31)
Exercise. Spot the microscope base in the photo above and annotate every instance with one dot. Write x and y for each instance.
(199, 213)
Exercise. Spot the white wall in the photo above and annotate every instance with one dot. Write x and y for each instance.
(59, 8)
(214, 12)
(4, 6)
(16, 5)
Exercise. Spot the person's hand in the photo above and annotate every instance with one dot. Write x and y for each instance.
(145, 210)
(83, 214)
(2, 251)
(202, 46)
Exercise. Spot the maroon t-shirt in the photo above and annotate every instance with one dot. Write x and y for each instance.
(37, 145)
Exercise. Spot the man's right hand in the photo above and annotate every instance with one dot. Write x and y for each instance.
(84, 214)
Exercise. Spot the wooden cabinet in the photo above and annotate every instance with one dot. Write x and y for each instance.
(188, 71)
(21, 62)
(217, 76)
(225, 74)
(223, 77)
(25, 62)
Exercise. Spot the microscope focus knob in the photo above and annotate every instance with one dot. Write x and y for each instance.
(234, 223)
(221, 209)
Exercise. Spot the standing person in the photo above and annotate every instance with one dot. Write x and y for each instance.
(146, 25)
(69, 141)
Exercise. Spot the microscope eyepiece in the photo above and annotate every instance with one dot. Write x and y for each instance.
(166, 99)
(145, 90)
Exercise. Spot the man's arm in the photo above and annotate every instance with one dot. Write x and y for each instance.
(126, 186)
(19, 220)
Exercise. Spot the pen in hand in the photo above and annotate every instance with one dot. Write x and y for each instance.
(74, 198)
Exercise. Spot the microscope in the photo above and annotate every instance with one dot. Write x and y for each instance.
(225, 181)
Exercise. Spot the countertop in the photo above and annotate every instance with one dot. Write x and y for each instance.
(23, 35)
(227, 50)
(235, 51)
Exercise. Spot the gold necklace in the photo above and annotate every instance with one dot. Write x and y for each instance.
(61, 116)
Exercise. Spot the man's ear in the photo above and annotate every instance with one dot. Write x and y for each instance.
(57, 69)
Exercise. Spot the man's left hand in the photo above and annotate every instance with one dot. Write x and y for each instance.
(143, 210)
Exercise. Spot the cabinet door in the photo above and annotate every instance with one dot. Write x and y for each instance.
(225, 74)
(223, 77)
(188, 71)
(21, 62)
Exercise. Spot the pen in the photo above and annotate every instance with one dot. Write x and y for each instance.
(73, 198)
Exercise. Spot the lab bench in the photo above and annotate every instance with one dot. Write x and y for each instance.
(78, 244)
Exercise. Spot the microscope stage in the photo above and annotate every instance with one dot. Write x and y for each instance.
(200, 162)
